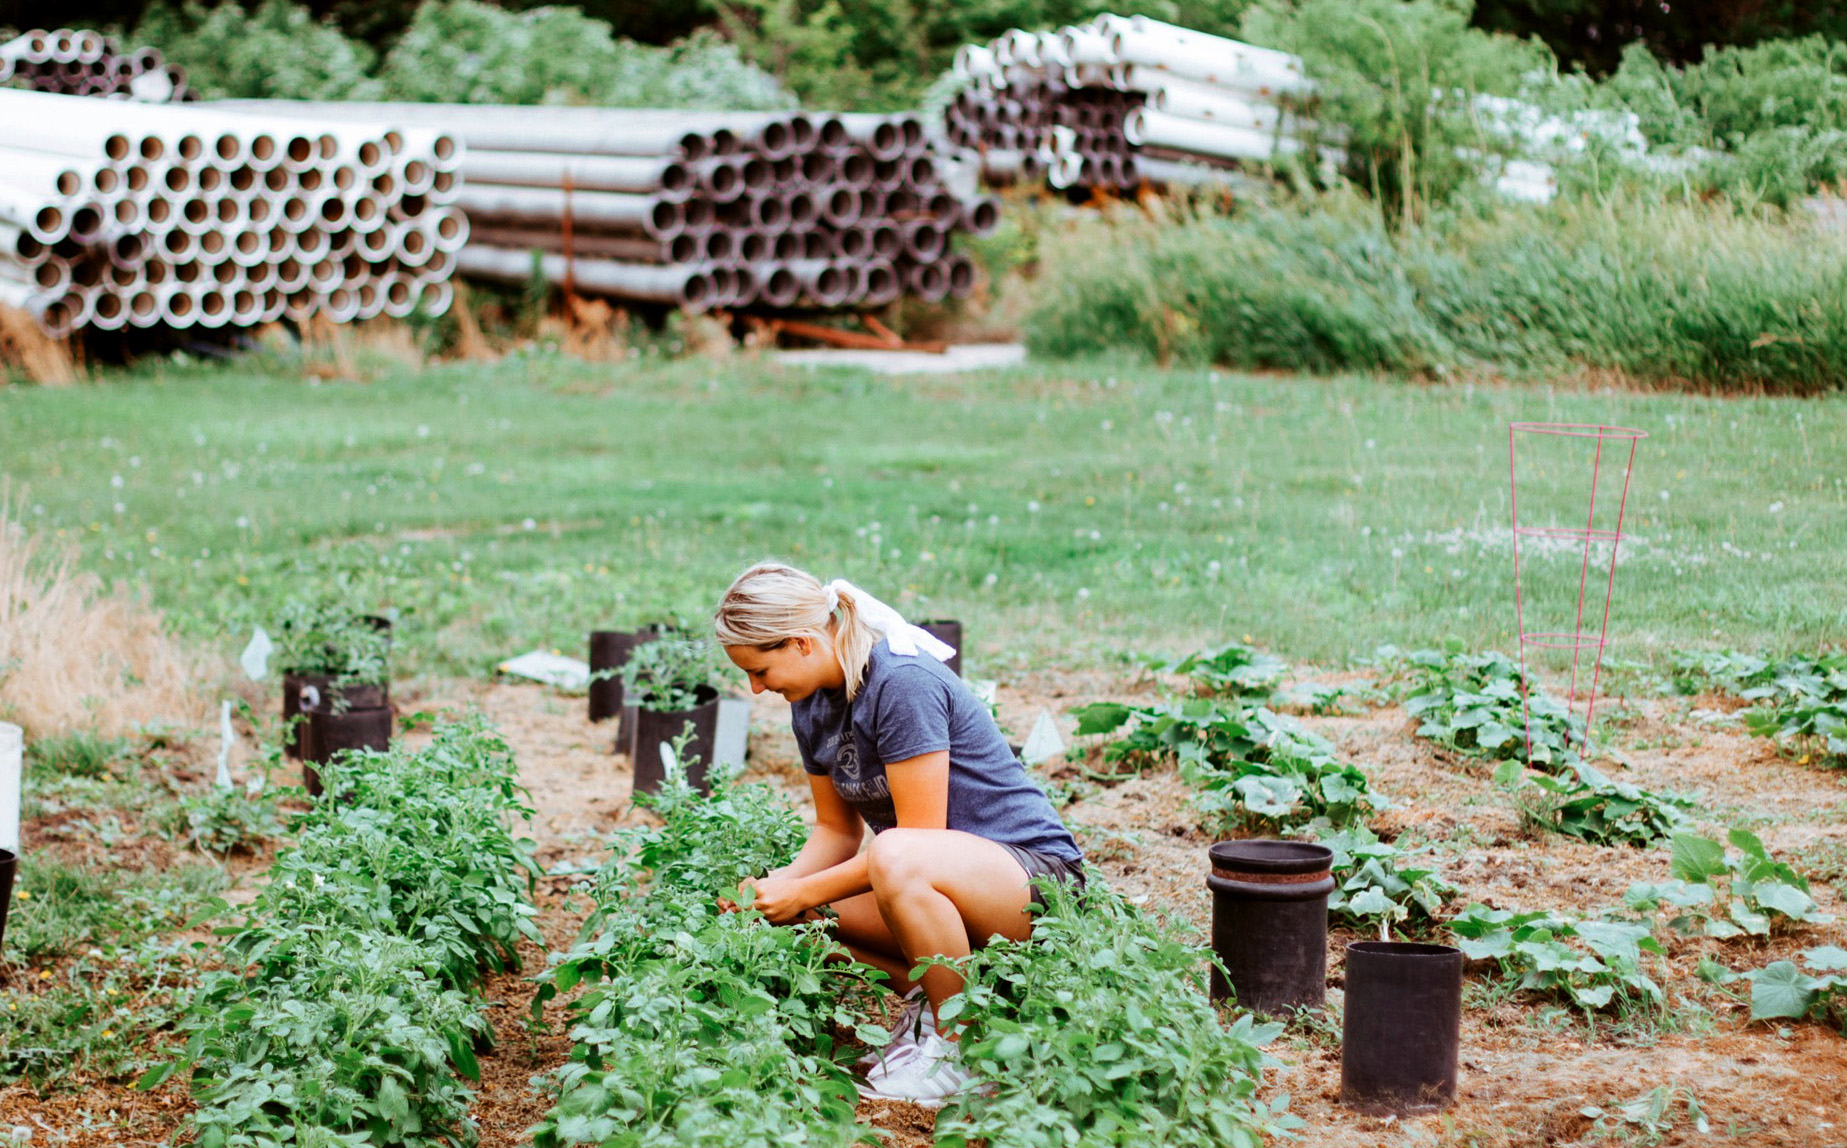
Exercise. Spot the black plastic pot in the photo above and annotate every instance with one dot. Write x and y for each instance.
(9, 863)
(1400, 1035)
(328, 733)
(949, 630)
(1270, 923)
(652, 728)
(609, 652)
(302, 690)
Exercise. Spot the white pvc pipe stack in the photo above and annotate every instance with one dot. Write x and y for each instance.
(120, 214)
(1085, 104)
(692, 209)
(74, 62)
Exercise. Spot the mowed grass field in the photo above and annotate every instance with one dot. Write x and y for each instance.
(1065, 512)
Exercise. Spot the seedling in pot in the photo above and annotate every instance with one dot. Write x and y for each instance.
(669, 675)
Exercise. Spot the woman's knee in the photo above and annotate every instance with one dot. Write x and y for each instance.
(899, 859)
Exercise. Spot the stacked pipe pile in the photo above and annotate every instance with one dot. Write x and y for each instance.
(119, 214)
(1121, 101)
(73, 62)
(703, 210)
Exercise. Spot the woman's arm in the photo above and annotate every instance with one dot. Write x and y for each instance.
(836, 835)
(920, 795)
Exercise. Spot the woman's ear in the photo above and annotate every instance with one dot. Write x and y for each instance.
(803, 646)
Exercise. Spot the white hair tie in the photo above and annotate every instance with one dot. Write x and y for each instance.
(904, 639)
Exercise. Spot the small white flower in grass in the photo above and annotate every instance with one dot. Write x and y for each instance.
(120, 508)
(1032, 506)
(1106, 424)
(116, 481)
(1397, 553)
(243, 523)
(1664, 496)
(1776, 508)
(991, 579)
(529, 524)
(993, 520)
(352, 440)
(134, 461)
(1083, 592)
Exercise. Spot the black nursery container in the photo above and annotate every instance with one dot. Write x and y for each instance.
(652, 728)
(1270, 923)
(1402, 1027)
(9, 864)
(328, 732)
(302, 691)
(950, 631)
(609, 652)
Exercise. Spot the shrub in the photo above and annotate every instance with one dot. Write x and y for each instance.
(276, 51)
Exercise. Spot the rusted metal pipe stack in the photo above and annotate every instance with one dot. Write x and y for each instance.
(1121, 101)
(119, 214)
(701, 210)
(77, 62)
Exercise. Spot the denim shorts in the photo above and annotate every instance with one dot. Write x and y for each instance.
(1045, 865)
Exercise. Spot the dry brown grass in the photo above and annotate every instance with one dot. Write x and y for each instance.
(75, 655)
(36, 355)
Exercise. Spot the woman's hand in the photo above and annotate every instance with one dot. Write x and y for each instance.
(781, 900)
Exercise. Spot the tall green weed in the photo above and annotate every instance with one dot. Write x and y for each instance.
(1662, 293)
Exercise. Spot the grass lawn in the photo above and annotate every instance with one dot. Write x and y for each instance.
(1062, 511)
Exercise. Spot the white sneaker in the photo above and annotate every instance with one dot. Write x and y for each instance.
(914, 1018)
(927, 1074)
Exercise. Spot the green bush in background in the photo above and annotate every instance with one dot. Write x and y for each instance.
(1664, 293)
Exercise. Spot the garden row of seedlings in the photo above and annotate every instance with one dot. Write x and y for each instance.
(120, 214)
(1122, 101)
(702, 1027)
(78, 62)
(702, 210)
(351, 998)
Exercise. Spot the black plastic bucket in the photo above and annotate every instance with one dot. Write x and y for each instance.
(1400, 1035)
(609, 652)
(302, 690)
(9, 864)
(652, 728)
(327, 733)
(949, 630)
(1270, 923)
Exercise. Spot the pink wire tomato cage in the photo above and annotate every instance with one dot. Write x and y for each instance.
(1578, 640)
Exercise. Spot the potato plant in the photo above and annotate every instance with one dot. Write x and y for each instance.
(347, 1008)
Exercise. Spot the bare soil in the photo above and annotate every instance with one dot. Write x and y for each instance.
(1529, 1067)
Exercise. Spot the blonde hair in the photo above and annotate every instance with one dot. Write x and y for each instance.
(770, 603)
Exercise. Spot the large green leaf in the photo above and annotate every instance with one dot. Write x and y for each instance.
(1781, 990)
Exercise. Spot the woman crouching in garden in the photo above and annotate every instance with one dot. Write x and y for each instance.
(892, 739)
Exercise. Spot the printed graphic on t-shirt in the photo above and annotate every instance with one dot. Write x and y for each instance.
(854, 783)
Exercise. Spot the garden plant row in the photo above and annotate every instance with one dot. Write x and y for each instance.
(698, 1026)
(349, 1003)
(1249, 765)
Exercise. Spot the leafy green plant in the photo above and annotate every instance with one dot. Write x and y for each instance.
(1377, 884)
(345, 1014)
(1647, 1118)
(1801, 699)
(1781, 990)
(60, 908)
(1583, 802)
(1594, 965)
(80, 753)
(697, 1026)
(225, 820)
(667, 674)
(329, 637)
(94, 1018)
(1097, 1030)
(272, 50)
(1714, 894)
(1234, 670)
(1243, 762)
(1471, 703)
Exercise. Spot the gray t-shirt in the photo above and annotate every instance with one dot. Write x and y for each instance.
(908, 706)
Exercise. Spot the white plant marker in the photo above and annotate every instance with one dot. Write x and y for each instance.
(12, 767)
(224, 745)
(1043, 743)
(255, 658)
